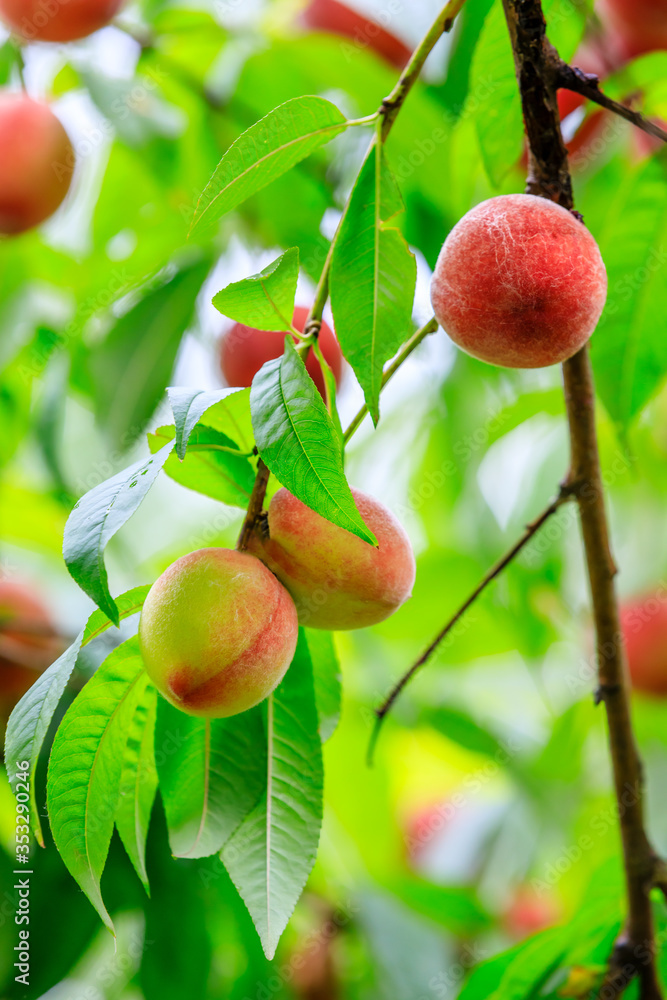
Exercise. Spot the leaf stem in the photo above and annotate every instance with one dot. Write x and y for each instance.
(404, 353)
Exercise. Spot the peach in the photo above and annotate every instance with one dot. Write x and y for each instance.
(57, 20)
(529, 912)
(217, 632)
(635, 27)
(519, 282)
(339, 19)
(29, 643)
(243, 351)
(36, 164)
(644, 628)
(337, 580)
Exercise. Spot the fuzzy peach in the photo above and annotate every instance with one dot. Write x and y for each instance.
(36, 164)
(243, 351)
(217, 632)
(57, 20)
(337, 580)
(519, 282)
(634, 27)
(644, 628)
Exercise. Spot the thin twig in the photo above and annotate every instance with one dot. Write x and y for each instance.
(405, 352)
(588, 85)
(549, 177)
(389, 109)
(255, 505)
(566, 492)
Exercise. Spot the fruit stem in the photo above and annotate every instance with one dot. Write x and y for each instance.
(633, 956)
(404, 353)
(255, 505)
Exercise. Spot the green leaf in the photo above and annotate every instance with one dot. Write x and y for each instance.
(326, 679)
(266, 300)
(29, 722)
(373, 276)
(212, 773)
(298, 442)
(188, 407)
(628, 349)
(493, 84)
(271, 854)
(209, 466)
(266, 150)
(97, 517)
(86, 764)
(138, 784)
(133, 365)
(521, 971)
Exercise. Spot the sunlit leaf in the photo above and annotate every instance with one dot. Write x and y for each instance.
(29, 722)
(212, 465)
(86, 765)
(97, 517)
(266, 150)
(138, 784)
(326, 679)
(271, 854)
(297, 440)
(189, 406)
(373, 275)
(212, 773)
(266, 300)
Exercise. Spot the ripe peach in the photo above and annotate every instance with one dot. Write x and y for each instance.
(29, 643)
(339, 19)
(243, 351)
(217, 633)
(644, 628)
(57, 20)
(337, 580)
(529, 912)
(635, 27)
(519, 282)
(36, 164)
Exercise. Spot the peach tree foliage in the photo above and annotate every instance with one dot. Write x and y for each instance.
(248, 788)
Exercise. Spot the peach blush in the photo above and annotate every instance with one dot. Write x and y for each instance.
(217, 632)
(337, 580)
(519, 282)
(644, 628)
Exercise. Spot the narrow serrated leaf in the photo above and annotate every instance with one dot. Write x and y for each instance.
(271, 854)
(29, 722)
(264, 301)
(373, 277)
(212, 773)
(138, 784)
(86, 764)
(298, 442)
(266, 150)
(188, 407)
(97, 517)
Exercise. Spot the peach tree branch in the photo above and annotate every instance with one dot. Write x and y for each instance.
(566, 492)
(588, 85)
(549, 177)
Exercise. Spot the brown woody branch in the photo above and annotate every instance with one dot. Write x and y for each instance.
(633, 956)
(588, 85)
(567, 490)
(255, 505)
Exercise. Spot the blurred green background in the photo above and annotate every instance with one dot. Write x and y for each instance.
(488, 814)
